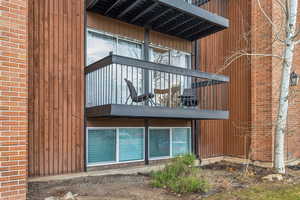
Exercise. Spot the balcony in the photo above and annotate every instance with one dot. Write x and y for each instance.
(180, 18)
(171, 92)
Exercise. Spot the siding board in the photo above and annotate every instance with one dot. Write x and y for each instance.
(56, 85)
(228, 137)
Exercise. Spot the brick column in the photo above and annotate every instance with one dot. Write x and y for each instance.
(13, 99)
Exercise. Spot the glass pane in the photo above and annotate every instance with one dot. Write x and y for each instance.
(99, 46)
(180, 59)
(181, 141)
(129, 49)
(101, 146)
(159, 143)
(131, 144)
(158, 55)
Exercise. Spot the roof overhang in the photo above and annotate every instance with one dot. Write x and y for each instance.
(131, 111)
(172, 17)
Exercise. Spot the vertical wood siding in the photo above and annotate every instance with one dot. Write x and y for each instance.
(56, 87)
(228, 137)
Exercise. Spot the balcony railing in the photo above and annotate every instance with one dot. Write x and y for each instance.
(169, 88)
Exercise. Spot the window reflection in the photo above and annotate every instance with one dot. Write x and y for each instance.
(99, 46)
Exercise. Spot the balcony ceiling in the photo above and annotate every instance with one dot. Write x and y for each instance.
(172, 17)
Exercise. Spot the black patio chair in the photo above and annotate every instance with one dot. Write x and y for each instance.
(189, 98)
(147, 97)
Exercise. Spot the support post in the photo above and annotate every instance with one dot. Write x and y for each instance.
(146, 142)
(147, 90)
(196, 123)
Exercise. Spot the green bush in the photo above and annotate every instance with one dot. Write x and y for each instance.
(180, 176)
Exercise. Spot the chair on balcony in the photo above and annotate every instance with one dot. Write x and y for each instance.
(189, 98)
(147, 97)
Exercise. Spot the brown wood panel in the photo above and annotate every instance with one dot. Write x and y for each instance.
(117, 27)
(170, 41)
(228, 137)
(56, 87)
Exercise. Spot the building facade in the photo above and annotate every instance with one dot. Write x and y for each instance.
(96, 84)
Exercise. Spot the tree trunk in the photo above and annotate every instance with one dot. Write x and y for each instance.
(281, 124)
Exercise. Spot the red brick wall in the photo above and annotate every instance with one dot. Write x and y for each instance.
(293, 137)
(261, 84)
(13, 99)
(266, 77)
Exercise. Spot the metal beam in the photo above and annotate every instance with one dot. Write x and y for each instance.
(189, 28)
(180, 24)
(124, 12)
(168, 21)
(112, 6)
(144, 12)
(91, 3)
(157, 16)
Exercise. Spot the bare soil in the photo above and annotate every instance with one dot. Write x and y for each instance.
(222, 176)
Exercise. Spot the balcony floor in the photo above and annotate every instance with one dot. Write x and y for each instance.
(121, 110)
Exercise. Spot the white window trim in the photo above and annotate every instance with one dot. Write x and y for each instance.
(117, 146)
(171, 144)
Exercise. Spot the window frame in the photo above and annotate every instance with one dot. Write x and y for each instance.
(171, 141)
(117, 146)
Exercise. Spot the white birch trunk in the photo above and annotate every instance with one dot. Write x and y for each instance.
(288, 55)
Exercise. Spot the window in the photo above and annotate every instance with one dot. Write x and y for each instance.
(114, 145)
(181, 141)
(102, 146)
(99, 45)
(169, 142)
(131, 144)
(159, 143)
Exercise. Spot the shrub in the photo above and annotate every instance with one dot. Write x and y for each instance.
(180, 176)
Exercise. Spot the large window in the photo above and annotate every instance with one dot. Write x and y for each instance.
(169, 142)
(114, 145)
(102, 145)
(131, 144)
(159, 143)
(99, 45)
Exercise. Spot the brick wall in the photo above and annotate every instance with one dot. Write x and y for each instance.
(13, 99)
(293, 137)
(266, 77)
(261, 84)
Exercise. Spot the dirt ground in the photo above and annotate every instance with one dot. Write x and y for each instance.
(223, 177)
